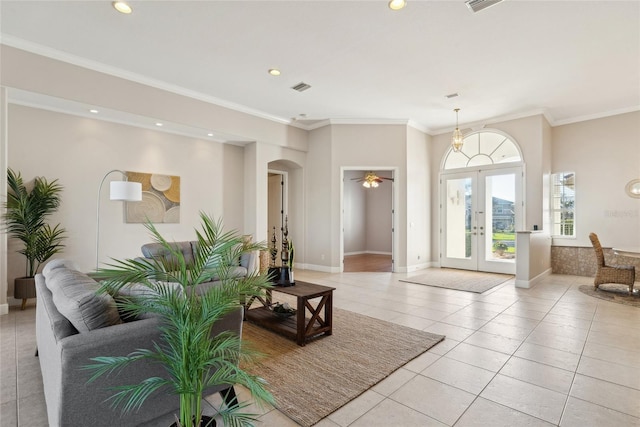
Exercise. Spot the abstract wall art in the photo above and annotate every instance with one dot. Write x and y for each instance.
(160, 199)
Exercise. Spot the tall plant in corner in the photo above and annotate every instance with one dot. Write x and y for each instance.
(26, 217)
(193, 359)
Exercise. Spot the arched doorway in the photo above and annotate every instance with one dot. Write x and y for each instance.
(481, 199)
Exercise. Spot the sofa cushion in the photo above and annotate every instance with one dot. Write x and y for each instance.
(58, 263)
(139, 290)
(156, 250)
(76, 298)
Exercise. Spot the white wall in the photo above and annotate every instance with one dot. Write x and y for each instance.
(79, 151)
(419, 200)
(4, 306)
(319, 184)
(355, 214)
(605, 155)
(378, 216)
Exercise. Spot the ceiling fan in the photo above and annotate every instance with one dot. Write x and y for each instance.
(371, 180)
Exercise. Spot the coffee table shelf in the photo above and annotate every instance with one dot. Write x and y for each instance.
(309, 320)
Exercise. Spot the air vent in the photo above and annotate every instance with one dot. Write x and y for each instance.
(301, 87)
(478, 5)
(452, 95)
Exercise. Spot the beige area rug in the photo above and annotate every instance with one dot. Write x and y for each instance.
(460, 280)
(613, 293)
(311, 382)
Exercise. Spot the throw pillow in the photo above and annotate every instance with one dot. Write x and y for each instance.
(76, 298)
(58, 263)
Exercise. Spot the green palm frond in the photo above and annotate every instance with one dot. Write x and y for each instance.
(132, 397)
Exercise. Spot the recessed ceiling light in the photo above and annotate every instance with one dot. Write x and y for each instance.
(94, 111)
(397, 4)
(158, 124)
(274, 71)
(209, 134)
(122, 7)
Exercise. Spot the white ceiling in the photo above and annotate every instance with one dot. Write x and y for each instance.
(570, 60)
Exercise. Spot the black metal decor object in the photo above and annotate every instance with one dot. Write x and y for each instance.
(284, 279)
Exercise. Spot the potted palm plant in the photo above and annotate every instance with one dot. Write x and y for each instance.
(500, 248)
(193, 359)
(26, 213)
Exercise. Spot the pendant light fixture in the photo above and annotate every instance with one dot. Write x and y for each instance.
(456, 138)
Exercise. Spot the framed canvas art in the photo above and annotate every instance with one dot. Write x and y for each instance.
(160, 199)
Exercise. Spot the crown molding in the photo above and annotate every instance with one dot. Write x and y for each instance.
(78, 109)
(596, 116)
(47, 52)
(343, 121)
(420, 127)
(353, 121)
(479, 124)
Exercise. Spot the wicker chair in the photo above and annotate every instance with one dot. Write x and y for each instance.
(621, 274)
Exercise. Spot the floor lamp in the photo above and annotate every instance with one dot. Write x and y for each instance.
(119, 191)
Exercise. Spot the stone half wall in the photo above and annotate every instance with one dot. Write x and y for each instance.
(581, 261)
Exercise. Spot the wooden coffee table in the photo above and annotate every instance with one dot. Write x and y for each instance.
(298, 327)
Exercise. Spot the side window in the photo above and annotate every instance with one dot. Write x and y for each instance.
(563, 202)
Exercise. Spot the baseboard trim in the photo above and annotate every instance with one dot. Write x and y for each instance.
(410, 268)
(532, 282)
(322, 268)
(4, 309)
(367, 253)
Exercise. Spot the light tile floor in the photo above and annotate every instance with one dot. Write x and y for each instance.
(512, 357)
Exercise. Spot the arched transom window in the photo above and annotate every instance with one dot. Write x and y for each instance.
(483, 148)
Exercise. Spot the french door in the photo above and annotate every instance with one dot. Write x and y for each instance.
(480, 212)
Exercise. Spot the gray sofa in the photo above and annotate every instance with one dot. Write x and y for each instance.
(244, 266)
(74, 324)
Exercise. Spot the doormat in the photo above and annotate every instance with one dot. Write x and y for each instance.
(459, 280)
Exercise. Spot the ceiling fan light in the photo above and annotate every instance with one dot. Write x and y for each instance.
(366, 184)
(374, 184)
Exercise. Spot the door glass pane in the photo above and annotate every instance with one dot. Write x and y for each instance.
(506, 152)
(458, 209)
(500, 218)
(493, 148)
(456, 160)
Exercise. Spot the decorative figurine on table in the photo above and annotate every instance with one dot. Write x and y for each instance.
(291, 256)
(274, 272)
(284, 256)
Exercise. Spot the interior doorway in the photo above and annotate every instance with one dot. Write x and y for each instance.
(367, 218)
(276, 208)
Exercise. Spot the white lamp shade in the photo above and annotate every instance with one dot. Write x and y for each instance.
(126, 191)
